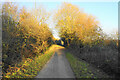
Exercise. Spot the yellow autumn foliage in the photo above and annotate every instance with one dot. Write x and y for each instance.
(73, 23)
(25, 33)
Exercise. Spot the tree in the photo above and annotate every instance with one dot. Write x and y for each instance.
(10, 39)
(25, 34)
(73, 23)
(36, 33)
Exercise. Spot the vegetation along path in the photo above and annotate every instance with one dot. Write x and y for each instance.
(57, 67)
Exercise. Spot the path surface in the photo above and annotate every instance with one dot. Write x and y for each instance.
(57, 67)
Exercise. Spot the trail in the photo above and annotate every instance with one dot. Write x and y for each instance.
(57, 67)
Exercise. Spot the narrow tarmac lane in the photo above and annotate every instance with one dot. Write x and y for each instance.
(57, 67)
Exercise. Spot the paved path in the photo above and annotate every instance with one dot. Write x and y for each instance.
(57, 67)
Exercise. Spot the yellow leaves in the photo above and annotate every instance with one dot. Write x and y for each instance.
(10, 9)
(74, 23)
(27, 33)
(7, 75)
(32, 26)
(12, 71)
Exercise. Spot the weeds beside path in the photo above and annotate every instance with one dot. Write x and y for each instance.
(57, 67)
(84, 70)
(30, 67)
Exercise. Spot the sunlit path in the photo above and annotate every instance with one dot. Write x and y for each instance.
(57, 67)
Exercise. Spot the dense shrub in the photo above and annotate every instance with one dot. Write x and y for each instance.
(104, 56)
(23, 34)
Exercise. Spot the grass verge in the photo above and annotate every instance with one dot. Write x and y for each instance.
(30, 67)
(102, 57)
(82, 69)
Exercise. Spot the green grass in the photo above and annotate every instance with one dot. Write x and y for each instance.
(29, 68)
(82, 69)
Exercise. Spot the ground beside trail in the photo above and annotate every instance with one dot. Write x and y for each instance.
(65, 65)
(57, 67)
